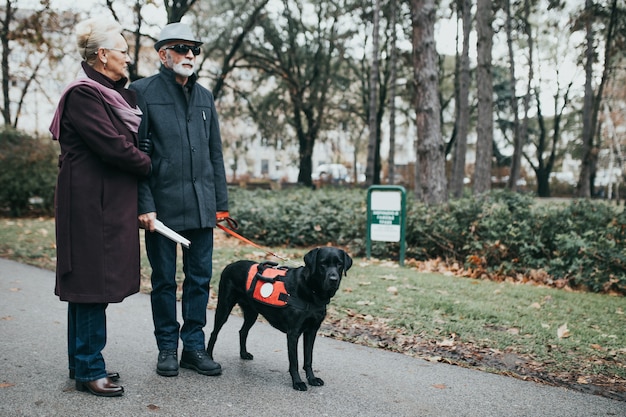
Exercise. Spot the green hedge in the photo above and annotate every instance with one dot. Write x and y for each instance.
(581, 243)
(300, 216)
(28, 169)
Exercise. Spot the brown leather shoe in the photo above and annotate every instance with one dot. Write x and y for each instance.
(113, 376)
(102, 387)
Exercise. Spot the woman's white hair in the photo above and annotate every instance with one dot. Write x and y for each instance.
(95, 33)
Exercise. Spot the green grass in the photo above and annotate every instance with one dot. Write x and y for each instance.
(428, 314)
(30, 241)
(504, 316)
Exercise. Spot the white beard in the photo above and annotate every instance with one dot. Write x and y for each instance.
(183, 71)
(179, 69)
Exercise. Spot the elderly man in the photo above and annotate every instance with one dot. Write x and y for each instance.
(187, 191)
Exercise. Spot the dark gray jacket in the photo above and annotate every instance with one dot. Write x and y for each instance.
(188, 181)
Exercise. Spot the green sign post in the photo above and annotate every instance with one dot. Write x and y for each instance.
(386, 216)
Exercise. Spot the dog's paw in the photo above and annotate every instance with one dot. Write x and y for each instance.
(299, 386)
(246, 355)
(316, 382)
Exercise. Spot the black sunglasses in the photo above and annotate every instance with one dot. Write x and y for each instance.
(183, 49)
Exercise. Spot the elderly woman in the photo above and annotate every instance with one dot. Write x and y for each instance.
(97, 236)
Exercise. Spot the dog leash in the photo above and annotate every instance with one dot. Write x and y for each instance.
(233, 225)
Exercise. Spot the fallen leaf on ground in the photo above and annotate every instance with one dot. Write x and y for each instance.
(563, 332)
(446, 342)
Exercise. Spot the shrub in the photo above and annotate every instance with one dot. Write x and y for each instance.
(501, 235)
(589, 248)
(28, 170)
(300, 216)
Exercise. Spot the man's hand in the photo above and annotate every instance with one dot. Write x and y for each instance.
(221, 216)
(146, 221)
(224, 216)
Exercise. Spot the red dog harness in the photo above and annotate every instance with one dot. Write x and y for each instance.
(265, 284)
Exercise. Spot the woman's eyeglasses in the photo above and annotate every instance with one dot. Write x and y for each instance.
(183, 49)
(123, 51)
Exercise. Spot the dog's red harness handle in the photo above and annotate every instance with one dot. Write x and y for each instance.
(232, 223)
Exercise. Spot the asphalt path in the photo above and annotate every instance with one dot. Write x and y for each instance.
(359, 381)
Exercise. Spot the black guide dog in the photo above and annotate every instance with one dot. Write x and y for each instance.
(308, 288)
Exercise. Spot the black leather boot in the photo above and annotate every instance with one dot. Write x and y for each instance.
(167, 364)
(200, 361)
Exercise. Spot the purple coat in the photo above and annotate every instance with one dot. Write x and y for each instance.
(96, 197)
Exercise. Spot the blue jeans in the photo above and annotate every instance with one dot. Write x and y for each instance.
(197, 268)
(86, 337)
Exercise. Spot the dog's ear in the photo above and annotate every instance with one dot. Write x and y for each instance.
(310, 259)
(347, 263)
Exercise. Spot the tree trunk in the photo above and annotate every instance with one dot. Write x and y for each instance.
(430, 184)
(460, 150)
(484, 128)
(543, 186)
(133, 66)
(516, 160)
(584, 182)
(306, 159)
(391, 173)
(590, 146)
(531, 76)
(543, 168)
(6, 76)
(176, 9)
(371, 175)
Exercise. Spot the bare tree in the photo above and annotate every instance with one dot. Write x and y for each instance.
(430, 184)
(518, 142)
(546, 142)
(229, 54)
(35, 37)
(302, 58)
(530, 78)
(545, 136)
(592, 101)
(584, 182)
(361, 73)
